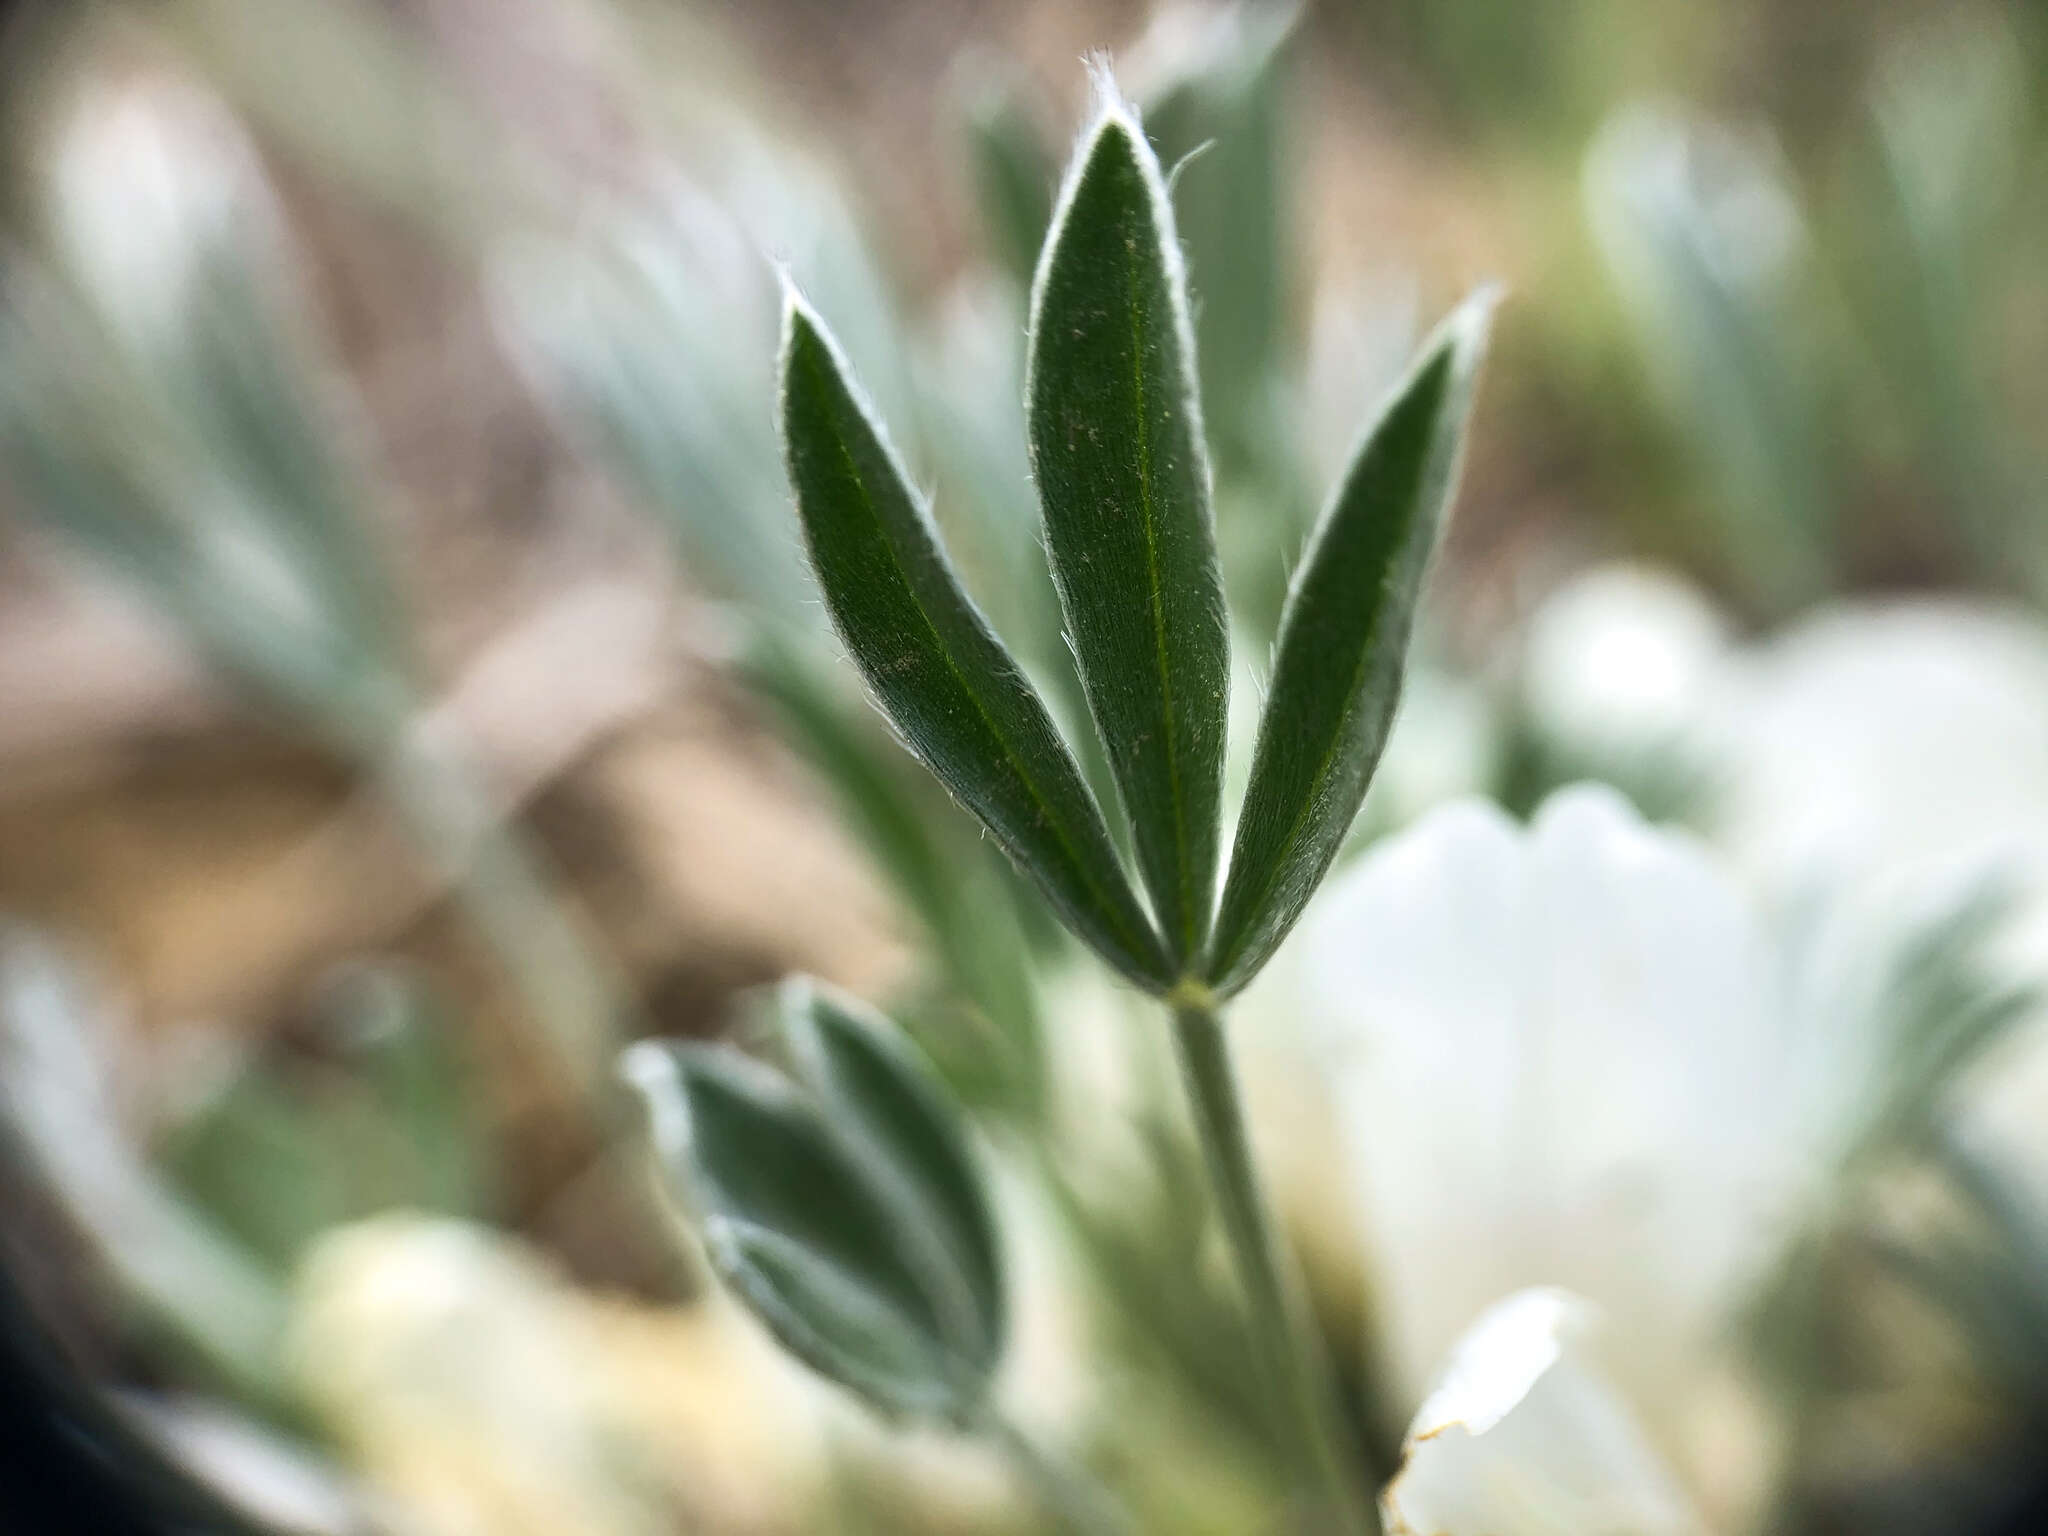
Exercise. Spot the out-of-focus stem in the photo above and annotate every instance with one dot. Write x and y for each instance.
(1297, 1370)
(1073, 1498)
(576, 1003)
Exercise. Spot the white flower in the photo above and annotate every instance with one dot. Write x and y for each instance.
(1891, 750)
(1566, 1056)
(1616, 664)
(1909, 738)
(1869, 739)
(1872, 749)
(1582, 1054)
(1520, 1437)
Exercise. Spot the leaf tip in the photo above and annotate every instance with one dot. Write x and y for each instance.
(1458, 345)
(801, 324)
(1106, 99)
(796, 1003)
(649, 1069)
(1471, 323)
(795, 994)
(1111, 125)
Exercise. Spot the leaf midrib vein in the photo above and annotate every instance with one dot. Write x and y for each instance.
(1183, 872)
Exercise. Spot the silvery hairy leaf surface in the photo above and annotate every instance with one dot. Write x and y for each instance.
(841, 1203)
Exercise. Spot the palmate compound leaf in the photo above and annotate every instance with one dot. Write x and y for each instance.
(935, 667)
(843, 1207)
(1343, 644)
(1123, 478)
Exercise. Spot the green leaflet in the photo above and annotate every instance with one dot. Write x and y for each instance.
(1123, 476)
(937, 670)
(793, 1228)
(843, 1208)
(913, 1145)
(250, 384)
(654, 364)
(1343, 642)
(1948, 120)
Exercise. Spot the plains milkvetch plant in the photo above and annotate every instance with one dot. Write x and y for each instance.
(1121, 465)
(1581, 1055)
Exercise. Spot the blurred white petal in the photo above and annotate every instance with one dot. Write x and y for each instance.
(1890, 750)
(1617, 661)
(1520, 1438)
(1895, 737)
(1556, 1057)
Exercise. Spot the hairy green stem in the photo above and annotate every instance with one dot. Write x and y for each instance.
(1297, 1371)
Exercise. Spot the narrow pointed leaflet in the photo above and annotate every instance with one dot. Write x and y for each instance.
(1343, 645)
(936, 669)
(842, 1203)
(882, 1099)
(793, 1225)
(1123, 476)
